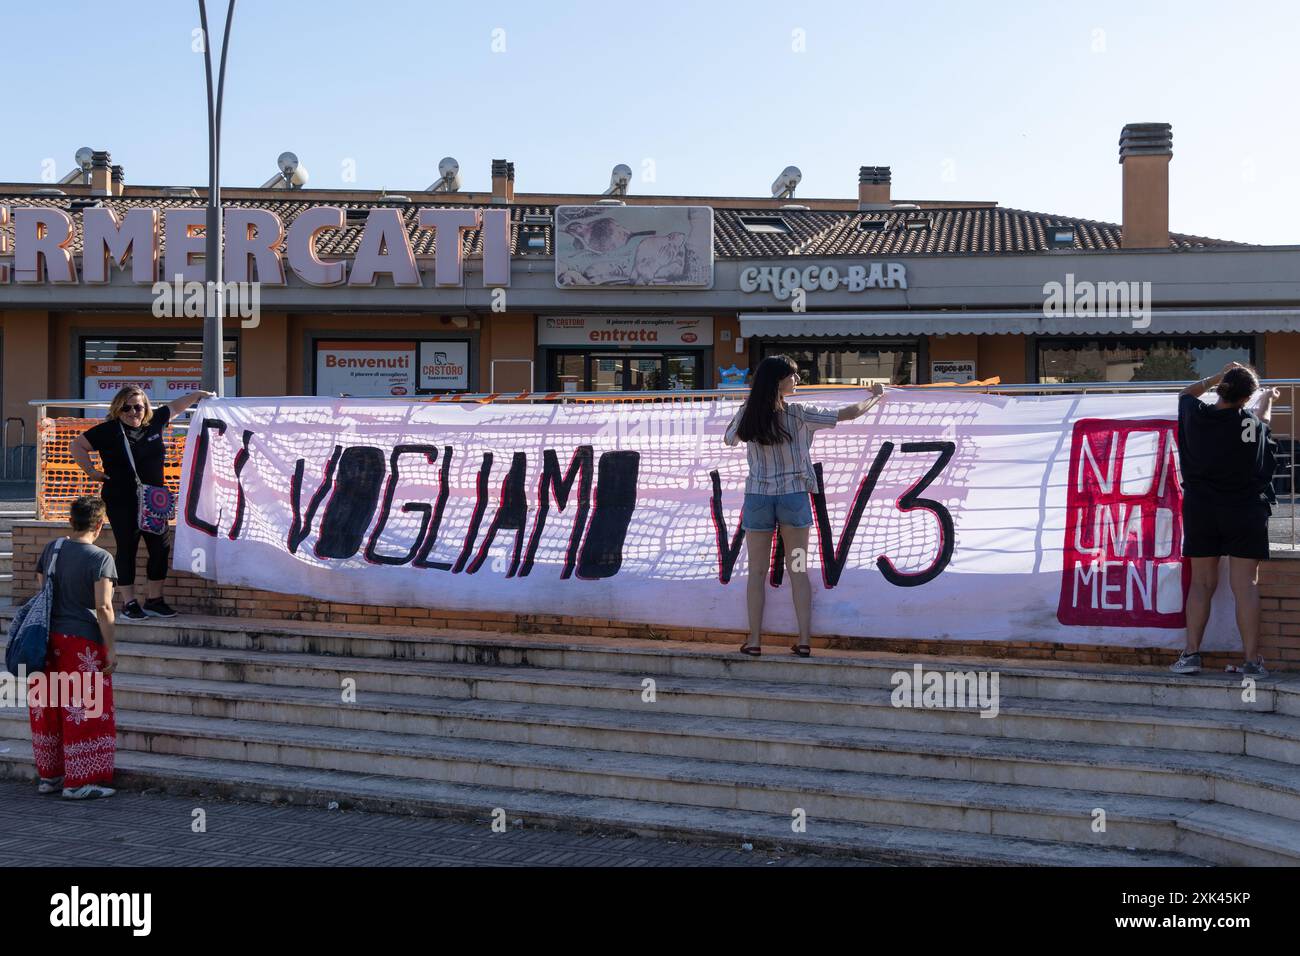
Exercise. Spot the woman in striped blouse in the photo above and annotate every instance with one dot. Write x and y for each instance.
(778, 437)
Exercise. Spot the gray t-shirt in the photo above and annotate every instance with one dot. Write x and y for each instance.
(78, 568)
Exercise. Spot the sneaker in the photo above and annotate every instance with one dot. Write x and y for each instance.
(89, 791)
(132, 611)
(1186, 664)
(157, 607)
(50, 785)
(1254, 668)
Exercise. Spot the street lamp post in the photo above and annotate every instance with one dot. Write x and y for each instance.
(214, 378)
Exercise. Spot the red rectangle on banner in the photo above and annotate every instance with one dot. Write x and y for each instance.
(1123, 553)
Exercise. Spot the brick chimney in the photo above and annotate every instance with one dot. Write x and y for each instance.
(101, 182)
(1144, 152)
(119, 180)
(873, 187)
(503, 181)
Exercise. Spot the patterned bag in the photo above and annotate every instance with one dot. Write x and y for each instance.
(157, 503)
(29, 631)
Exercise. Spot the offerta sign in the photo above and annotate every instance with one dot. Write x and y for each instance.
(161, 379)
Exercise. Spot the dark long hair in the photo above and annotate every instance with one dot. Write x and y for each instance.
(760, 422)
(1237, 385)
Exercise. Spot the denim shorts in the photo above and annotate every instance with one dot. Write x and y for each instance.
(765, 512)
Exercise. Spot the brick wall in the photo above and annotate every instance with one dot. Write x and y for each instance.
(1279, 640)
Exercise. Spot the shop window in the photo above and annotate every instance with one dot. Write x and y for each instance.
(1105, 359)
(850, 364)
(164, 368)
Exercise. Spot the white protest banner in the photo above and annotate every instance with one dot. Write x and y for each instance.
(942, 514)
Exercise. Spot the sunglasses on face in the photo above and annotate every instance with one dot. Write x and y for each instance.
(133, 408)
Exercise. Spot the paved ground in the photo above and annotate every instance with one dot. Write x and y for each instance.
(152, 829)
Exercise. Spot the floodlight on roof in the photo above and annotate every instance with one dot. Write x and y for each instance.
(784, 185)
(619, 178)
(448, 176)
(82, 173)
(292, 175)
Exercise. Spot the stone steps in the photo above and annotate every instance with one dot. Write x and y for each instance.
(556, 726)
(1217, 833)
(1048, 680)
(1247, 732)
(1242, 781)
(360, 791)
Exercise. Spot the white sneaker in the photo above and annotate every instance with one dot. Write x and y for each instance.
(52, 785)
(89, 791)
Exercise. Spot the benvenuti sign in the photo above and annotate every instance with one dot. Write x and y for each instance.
(43, 246)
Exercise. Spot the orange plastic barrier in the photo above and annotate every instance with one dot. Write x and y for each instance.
(62, 481)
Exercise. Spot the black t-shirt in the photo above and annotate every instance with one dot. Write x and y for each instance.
(147, 446)
(1226, 454)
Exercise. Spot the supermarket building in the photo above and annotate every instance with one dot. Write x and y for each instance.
(370, 293)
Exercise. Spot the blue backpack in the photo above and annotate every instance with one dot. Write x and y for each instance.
(29, 632)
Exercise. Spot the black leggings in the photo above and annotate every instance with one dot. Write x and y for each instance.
(123, 517)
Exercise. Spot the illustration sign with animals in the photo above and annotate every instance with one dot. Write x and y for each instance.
(634, 246)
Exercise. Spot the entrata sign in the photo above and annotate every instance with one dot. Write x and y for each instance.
(937, 515)
(254, 239)
(624, 330)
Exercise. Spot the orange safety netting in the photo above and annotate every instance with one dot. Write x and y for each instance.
(62, 480)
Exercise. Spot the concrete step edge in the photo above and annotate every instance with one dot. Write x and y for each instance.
(825, 658)
(742, 730)
(1258, 721)
(880, 843)
(991, 797)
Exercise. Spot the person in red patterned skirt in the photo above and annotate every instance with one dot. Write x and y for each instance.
(74, 737)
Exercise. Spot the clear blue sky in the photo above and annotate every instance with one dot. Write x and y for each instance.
(1018, 102)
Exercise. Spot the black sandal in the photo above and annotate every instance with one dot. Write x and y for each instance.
(803, 650)
(755, 650)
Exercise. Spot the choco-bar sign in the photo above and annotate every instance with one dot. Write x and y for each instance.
(938, 515)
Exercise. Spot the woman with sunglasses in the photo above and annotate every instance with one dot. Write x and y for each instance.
(778, 437)
(131, 419)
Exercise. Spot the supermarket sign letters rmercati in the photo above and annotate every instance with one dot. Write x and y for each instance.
(937, 515)
(255, 239)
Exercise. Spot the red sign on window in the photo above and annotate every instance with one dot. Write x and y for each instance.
(1123, 564)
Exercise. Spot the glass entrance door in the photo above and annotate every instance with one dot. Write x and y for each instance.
(622, 371)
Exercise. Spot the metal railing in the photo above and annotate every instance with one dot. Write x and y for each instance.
(1284, 481)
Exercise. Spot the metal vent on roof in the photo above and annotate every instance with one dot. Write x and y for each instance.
(79, 204)
(871, 225)
(356, 217)
(536, 219)
(768, 225)
(916, 223)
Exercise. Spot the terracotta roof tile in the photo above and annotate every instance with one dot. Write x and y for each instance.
(966, 230)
